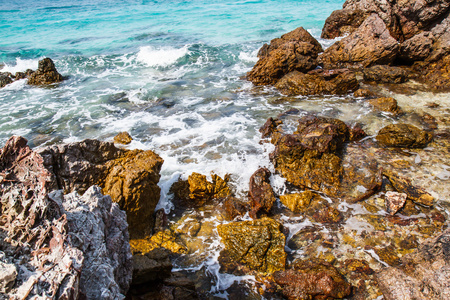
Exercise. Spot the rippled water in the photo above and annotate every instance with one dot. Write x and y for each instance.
(171, 74)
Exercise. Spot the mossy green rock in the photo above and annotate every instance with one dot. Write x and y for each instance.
(258, 244)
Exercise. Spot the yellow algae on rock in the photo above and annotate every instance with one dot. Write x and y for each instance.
(163, 239)
(298, 201)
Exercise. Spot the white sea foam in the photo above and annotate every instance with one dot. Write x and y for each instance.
(160, 57)
(21, 65)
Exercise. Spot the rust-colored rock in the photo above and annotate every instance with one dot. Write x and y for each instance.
(318, 83)
(404, 185)
(258, 244)
(232, 207)
(162, 239)
(296, 50)
(416, 48)
(260, 192)
(45, 74)
(364, 93)
(403, 135)
(130, 177)
(386, 104)
(123, 138)
(297, 202)
(329, 215)
(385, 74)
(371, 44)
(312, 279)
(270, 127)
(341, 22)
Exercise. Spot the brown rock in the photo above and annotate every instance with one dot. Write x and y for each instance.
(123, 138)
(356, 132)
(258, 244)
(386, 104)
(233, 207)
(151, 266)
(371, 44)
(325, 82)
(5, 79)
(385, 74)
(416, 48)
(130, 177)
(296, 50)
(45, 74)
(364, 93)
(270, 127)
(422, 274)
(437, 73)
(297, 202)
(404, 185)
(260, 192)
(162, 239)
(312, 280)
(341, 22)
(394, 202)
(403, 135)
(329, 215)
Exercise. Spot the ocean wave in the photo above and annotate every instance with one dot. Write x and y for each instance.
(21, 65)
(161, 57)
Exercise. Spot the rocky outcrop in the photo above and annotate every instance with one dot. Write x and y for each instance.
(294, 51)
(46, 73)
(318, 82)
(403, 135)
(258, 244)
(385, 74)
(416, 48)
(371, 44)
(123, 138)
(5, 79)
(261, 193)
(422, 274)
(312, 279)
(130, 177)
(341, 22)
(70, 246)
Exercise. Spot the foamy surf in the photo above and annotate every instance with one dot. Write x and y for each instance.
(160, 57)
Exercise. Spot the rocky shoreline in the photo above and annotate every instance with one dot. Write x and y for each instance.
(79, 221)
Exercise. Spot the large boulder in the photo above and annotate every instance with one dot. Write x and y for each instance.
(385, 74)
(417, 47)
(341, 22)
(130, 177)
(71, 246)
(318, 82)
(403, 135)
(296, 50)
(422, 274)
(45, 74)
(371, 44)
(258, 244)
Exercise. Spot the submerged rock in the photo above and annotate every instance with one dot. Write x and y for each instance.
(403, 135)
(422, 274)
(312, 279)
(296, 50)
(394, 201)
(318, 83)
(260, 192)
(297, 202)
(130, 177)
(63, 240)
(386, 104)
(45, 74)
(258, 244)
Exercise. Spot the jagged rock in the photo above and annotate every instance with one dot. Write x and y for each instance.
(64, 240)
(23, 75)
(416, 48)
(385, 74)
(436, 72)
(123, 138)
(232, 207)
(130, 177)
(296, 50)
(403, 135)
(270, 127)
(371, 44)
(312, 279)
(5, 79)
(260, 192)
(8, 275)
(404, 185)
(422, 274)
(341, 22)
(394, 201)
(150, 266)
(386, 104)
(318, 82)
(297, 202)
(258, 244)
(45, 74)
(197, 190)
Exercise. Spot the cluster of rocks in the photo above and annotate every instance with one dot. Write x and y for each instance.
(386, 42)
(45, 74)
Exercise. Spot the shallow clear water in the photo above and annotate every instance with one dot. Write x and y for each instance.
(171, 74)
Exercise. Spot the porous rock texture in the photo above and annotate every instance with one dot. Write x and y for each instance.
(46, 73)
(130, 177)
(64, 247)
(422, 274)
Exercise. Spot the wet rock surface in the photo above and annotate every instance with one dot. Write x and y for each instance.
(403, 135)
(260, 192)
(123, 138)
(386, 104)
(46, 73)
